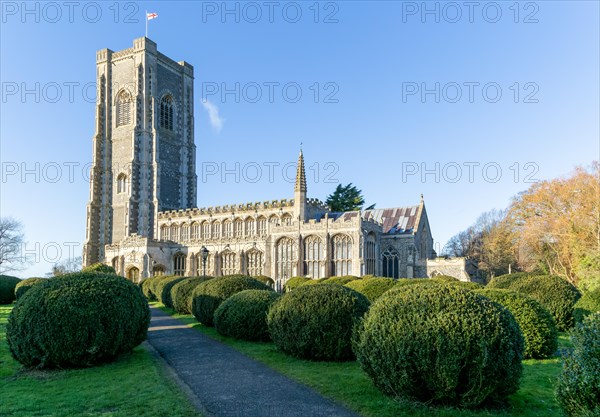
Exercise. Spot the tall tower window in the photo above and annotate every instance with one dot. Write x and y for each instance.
(313, 256)
(286, 258)
(123, 108)
(342, 255)
(255, 263)
(166, 112)
(121, 184)
(370, 255)
(262, 226)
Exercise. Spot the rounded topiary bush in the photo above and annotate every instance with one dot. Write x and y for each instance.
(340, 280)
(445, 279)
(556, 294)
(588, 304)
(146, 287)
(181, 293)
(316, 321)
(155, 286)
(578, 389)
(163, 289)
(99, 267)
(372, 288)
(25, 285)
(244, 315)
(440, 344)
(294, 282)
(77, 320)
(265, 280)
(506, 280)
(209, 295)
(536, 323)
(7, 288)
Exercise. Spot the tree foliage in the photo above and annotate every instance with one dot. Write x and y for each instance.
(346, 198)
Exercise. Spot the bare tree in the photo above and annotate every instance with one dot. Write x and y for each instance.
(11, 242)
(66, 267)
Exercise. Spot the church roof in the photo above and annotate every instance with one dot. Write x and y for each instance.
(397, 220)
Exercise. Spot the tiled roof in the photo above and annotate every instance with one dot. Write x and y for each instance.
(398, 220)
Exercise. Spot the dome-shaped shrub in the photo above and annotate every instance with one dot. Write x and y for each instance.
(164, 287)
(578, 389)
(340, 280)
(181, 294)
(99, 267)
(556, 294)
(294, 282)
(146, 287)
(536, 323)
(444, 278)
(588, 304)
(155, 286)
(505, 281)
(316, 321)
(79, 319)
(440, 344)
(7, 288)
(372, 288)
(244, 315)
(209, 295)
(24, 286)
(265, 280)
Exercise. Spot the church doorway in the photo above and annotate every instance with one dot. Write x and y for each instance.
(133, 274)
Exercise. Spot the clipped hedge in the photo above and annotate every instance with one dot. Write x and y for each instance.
(536, 323)
(340, 280)
(77, 320)
(505, 281)
(25, 285)
(99, 267)
(163, 288)
(265, 280)
(440, 344)
(557, 295)
(402, 282)
(146, 287)
(7, 288)
(372, 288)
(588, 304)
(316, 321)
(445, 279)
(294, 282)
(578, 389)
(181, 294)
(209, 295)
(155, 286)
(244, 315)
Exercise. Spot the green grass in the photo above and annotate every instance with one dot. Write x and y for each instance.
(347, 384)
(134, 385)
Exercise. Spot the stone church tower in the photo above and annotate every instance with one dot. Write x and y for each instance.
(143, 148)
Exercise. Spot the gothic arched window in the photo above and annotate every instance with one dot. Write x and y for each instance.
(238, 227)
(121, 184)
(164, 232)
(286, 219)
(227, 229)
(273, 221)
(370, 255)
(228, 263)
(313, 256)
(286, 258)
(185, 232)
(179, 264)
(174, 232)
(205, 230)
(250, 227)
(391, 263)
(123, 112)
(158, 271)
(254, 260)
(262, 226)
(342, 255)
(200, 269)
(133, 274)
(216, 230)
(166, 112)
(195, 231)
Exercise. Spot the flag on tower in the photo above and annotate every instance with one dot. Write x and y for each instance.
(151, 16)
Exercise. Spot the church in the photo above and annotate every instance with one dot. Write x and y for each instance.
(142, 216)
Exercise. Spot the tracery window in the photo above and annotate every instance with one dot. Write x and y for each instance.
(254, 260)
(185, 232)
(195, 231)
(286, 219)
(123, 110)
(239, 228)
(164, 232)
(370, 255)
(209, 265)
(250, 227)
(342, 255)
(228, 263)
(262, 226)
(205, 230)
(174, 233)
(286, 258)
(179, 264)
(166, 112)
(216, 230)
(391, 263)
(227, 229)
(313, 256)
(158, 271)
(273, 221)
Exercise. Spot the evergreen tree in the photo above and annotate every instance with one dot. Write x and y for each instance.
(346, 198)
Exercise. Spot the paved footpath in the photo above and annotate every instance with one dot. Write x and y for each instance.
(225, 383)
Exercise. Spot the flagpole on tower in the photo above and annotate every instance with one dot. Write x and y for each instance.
(146, 16)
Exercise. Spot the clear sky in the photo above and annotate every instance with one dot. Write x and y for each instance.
(465, 102)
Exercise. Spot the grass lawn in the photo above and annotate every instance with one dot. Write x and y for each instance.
(134, 385)
(346, 383)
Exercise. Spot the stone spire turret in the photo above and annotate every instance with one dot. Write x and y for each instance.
(300, 190)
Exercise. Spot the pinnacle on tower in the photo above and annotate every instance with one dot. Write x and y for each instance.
(300, 174)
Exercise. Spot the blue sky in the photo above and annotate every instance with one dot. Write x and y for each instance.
(464, 102)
